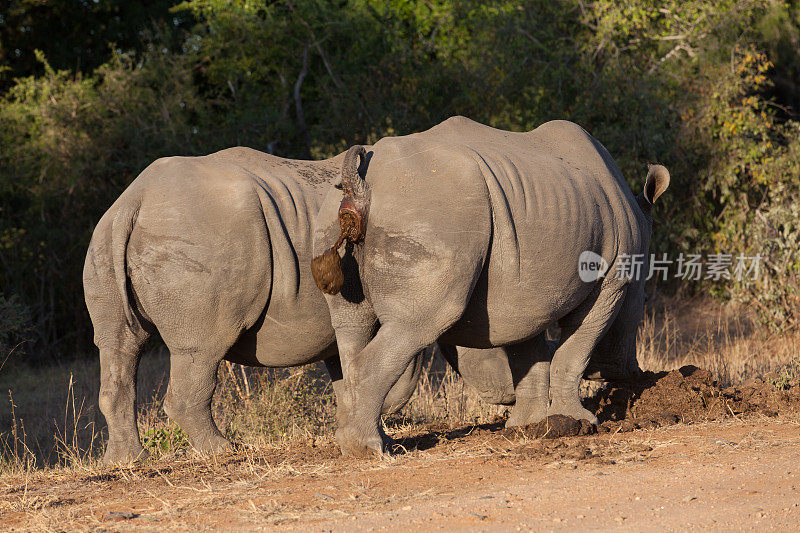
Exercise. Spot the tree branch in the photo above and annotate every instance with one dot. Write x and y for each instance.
(298, 105)
(336, 81)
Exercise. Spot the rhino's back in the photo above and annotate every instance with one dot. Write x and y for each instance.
(555, 185)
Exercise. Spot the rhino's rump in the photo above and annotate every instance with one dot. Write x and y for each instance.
(552, 195)
(215, 254)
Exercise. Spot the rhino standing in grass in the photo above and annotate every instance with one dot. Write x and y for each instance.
(472, 236)
(212, 253)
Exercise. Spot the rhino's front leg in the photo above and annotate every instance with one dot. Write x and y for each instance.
(369, 375)
(517, 375)
(486, 370)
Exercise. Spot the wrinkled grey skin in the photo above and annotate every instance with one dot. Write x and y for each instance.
(473, 239)
(213, 253)
(498, 376)
(494, 373)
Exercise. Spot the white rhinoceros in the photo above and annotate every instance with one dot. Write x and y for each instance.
(472, 236)
(212, 252)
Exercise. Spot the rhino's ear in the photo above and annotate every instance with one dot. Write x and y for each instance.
(656, 183)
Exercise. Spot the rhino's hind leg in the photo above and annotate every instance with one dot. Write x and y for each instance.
(398, 396)
(580, 332)
(485, 370)
(334, 367)
(117, 402)
(402, 390)
(350, 340)
(192, 380)
(368, 379)
(530, 368)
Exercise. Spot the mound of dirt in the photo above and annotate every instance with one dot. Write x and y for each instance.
(553, 427)
(689, 394)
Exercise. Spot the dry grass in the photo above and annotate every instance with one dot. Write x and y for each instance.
(51, 419)
(722, 338)
(443, 398)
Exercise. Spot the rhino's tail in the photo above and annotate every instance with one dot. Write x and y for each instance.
(327, 268)
(353, 185)
(120, 234)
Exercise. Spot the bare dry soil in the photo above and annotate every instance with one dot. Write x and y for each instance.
(673, 452)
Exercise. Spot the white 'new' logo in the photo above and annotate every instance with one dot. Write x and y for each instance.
(591, 266)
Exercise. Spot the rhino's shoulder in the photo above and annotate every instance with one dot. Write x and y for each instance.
(571, 143)
(561, 131)
(240, 152)
(465, 130)
(457, 125)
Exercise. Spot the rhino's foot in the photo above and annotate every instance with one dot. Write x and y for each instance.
(211, 444)
(124, 453)
(355, 443)
(612, 374)
(572, 409)
(521, 417)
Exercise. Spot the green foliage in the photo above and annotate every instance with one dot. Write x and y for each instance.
(68, 146)
(74, 34)
(749, 180)
(707, 88)
(164, 439)
(786, 376)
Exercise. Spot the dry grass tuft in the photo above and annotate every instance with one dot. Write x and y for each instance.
(443, 399)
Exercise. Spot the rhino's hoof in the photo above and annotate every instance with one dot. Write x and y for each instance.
(116, 454)
(353, 444)
(211, 445)
(573, 411)
(520, 419)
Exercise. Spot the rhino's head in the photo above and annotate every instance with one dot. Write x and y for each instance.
(614, 357)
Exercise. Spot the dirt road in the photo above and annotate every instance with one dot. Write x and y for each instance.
(727, 475)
